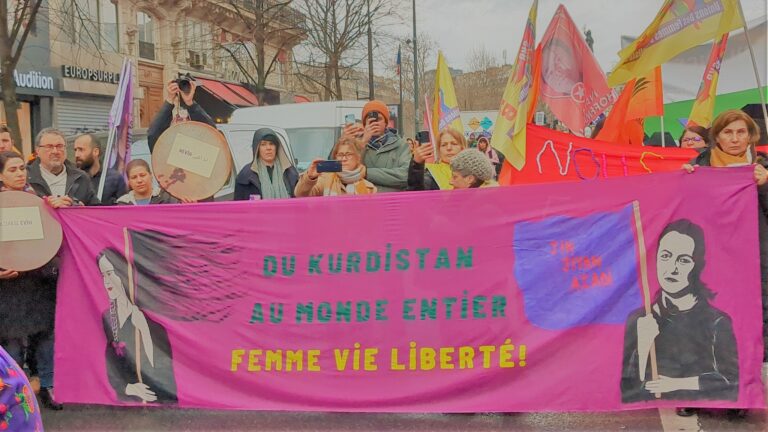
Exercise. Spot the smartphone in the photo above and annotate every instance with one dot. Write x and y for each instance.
(349, 119)
(329, 166)
(422, 137)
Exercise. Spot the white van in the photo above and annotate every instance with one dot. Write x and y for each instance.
(240, 138)
(312, 127)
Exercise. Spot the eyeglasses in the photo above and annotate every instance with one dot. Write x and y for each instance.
(57, 147)
(342, 156)
(692, 139)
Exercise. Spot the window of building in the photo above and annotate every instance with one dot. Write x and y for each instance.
(199, 41)
(94, 23)
(146, 27)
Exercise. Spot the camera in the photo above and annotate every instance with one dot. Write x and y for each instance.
(373, 115)
(185, 83)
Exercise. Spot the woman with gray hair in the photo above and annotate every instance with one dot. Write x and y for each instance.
(472, 169)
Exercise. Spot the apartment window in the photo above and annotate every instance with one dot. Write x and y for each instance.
(146, 27)
(94, 23)
(199, 42)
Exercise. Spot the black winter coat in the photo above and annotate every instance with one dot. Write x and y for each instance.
(28, 303)
(703, 159)
(114, 186)
(78, 186)
(419, 178)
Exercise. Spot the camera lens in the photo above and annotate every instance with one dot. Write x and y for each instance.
(184, 85)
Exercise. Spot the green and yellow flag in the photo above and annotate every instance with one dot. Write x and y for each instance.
(679, 25)
(517, 102)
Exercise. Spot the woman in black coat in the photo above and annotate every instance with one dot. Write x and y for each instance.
(271, 174)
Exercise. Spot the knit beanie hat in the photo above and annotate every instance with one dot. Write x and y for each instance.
(473, 162)
(377, 106)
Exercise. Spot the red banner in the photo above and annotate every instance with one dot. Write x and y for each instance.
(554, 156)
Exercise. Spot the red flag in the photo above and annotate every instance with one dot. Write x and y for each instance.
(572, 83)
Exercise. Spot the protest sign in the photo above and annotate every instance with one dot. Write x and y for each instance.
(502, 299)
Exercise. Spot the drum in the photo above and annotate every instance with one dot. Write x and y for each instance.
(191, 160)
(30, 235)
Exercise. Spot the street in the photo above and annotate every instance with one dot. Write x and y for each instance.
(107, 419)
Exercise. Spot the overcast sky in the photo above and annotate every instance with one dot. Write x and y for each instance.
(459, 25)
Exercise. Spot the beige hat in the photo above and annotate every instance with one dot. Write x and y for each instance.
(473, 162)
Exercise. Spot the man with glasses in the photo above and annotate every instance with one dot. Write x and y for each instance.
(53, 177)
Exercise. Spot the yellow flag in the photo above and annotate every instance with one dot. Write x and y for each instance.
(445, 111)
(509, 130)
(704, 106)
(679, 25)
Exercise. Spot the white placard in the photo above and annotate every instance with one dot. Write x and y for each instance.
(193, 155)
(20, 223)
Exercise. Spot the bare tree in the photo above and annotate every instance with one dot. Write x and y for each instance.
(336, 32)
(268, 23)
(480, 59)
(16, 21)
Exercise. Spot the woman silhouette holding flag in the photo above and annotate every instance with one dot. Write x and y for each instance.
(177, 277)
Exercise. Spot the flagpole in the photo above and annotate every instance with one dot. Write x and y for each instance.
(754, 65)
(415, 74)
(646, 288)
(400, 72)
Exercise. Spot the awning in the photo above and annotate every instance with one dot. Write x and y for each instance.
(233, 94)
(301, 99)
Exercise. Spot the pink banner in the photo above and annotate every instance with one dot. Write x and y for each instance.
(523, 298)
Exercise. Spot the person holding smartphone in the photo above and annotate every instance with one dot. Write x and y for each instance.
(437, 175)
(385, 154)
(344, 175)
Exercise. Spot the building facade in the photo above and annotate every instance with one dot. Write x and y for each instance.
(69, 73)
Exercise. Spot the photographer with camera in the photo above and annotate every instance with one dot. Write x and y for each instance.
(179, 106)
(386, 155)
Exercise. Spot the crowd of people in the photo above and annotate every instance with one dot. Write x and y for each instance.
(369, 158)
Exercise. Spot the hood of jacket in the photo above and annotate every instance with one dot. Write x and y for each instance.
(282, 154)
(387, 140)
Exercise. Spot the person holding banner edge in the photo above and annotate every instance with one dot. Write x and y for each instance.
(28, 299)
